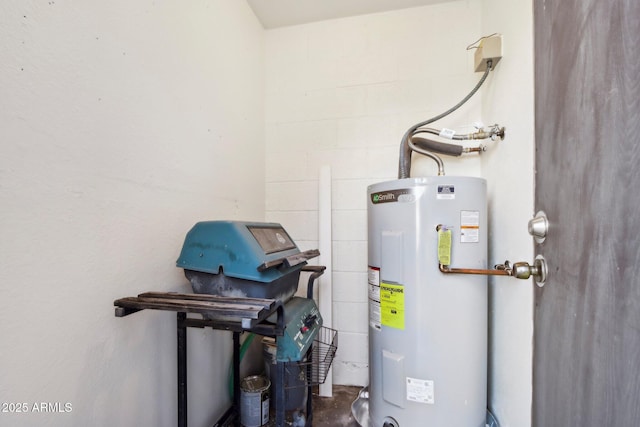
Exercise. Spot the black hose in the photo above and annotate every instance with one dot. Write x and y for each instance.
(404, 167)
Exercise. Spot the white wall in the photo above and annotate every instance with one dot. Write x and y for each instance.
(123, 123)
(508, 99)
(342, 92)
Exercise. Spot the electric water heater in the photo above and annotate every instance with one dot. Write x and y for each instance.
(427, 329)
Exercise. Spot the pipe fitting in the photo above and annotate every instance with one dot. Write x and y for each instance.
(493, 133)
(479, 149)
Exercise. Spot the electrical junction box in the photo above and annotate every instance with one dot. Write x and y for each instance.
(489, 48)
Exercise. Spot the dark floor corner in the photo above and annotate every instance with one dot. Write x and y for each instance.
(336, 410)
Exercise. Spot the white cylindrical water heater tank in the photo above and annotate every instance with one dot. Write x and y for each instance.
(427, 330)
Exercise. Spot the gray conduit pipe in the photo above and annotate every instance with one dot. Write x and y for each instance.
(438, 147)
(404, 166)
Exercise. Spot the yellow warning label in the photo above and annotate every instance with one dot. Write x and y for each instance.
(444, 247)
(392, 305)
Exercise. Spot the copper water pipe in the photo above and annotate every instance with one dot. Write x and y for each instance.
(495, 272)
(498, 270)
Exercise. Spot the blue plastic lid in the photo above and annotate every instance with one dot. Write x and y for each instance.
(237, 249)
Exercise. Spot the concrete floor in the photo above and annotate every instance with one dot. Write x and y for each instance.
(332, 411)
(336, 410)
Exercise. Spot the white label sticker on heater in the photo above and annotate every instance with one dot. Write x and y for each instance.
(421, 391)
(469, 226)
(446, 192)
(375, 317)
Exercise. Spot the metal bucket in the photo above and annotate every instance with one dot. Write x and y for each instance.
(254, 401)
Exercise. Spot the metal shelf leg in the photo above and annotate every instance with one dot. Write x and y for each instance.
(280, 394)
(309, 414)
(182, 370)
(236, 373)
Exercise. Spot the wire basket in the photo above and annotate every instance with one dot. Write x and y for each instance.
(318, 361)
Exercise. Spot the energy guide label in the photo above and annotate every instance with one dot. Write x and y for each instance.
(374, 298)
(469, 226)
(392, 305)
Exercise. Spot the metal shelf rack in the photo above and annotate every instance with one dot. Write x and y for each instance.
(236, 315)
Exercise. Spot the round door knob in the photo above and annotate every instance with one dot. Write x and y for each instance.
(523, 270)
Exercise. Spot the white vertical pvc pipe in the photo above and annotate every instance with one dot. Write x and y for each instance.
(325, 298)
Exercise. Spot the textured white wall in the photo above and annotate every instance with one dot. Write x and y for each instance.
(508, 99)
(342, 93)
(122, 124)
